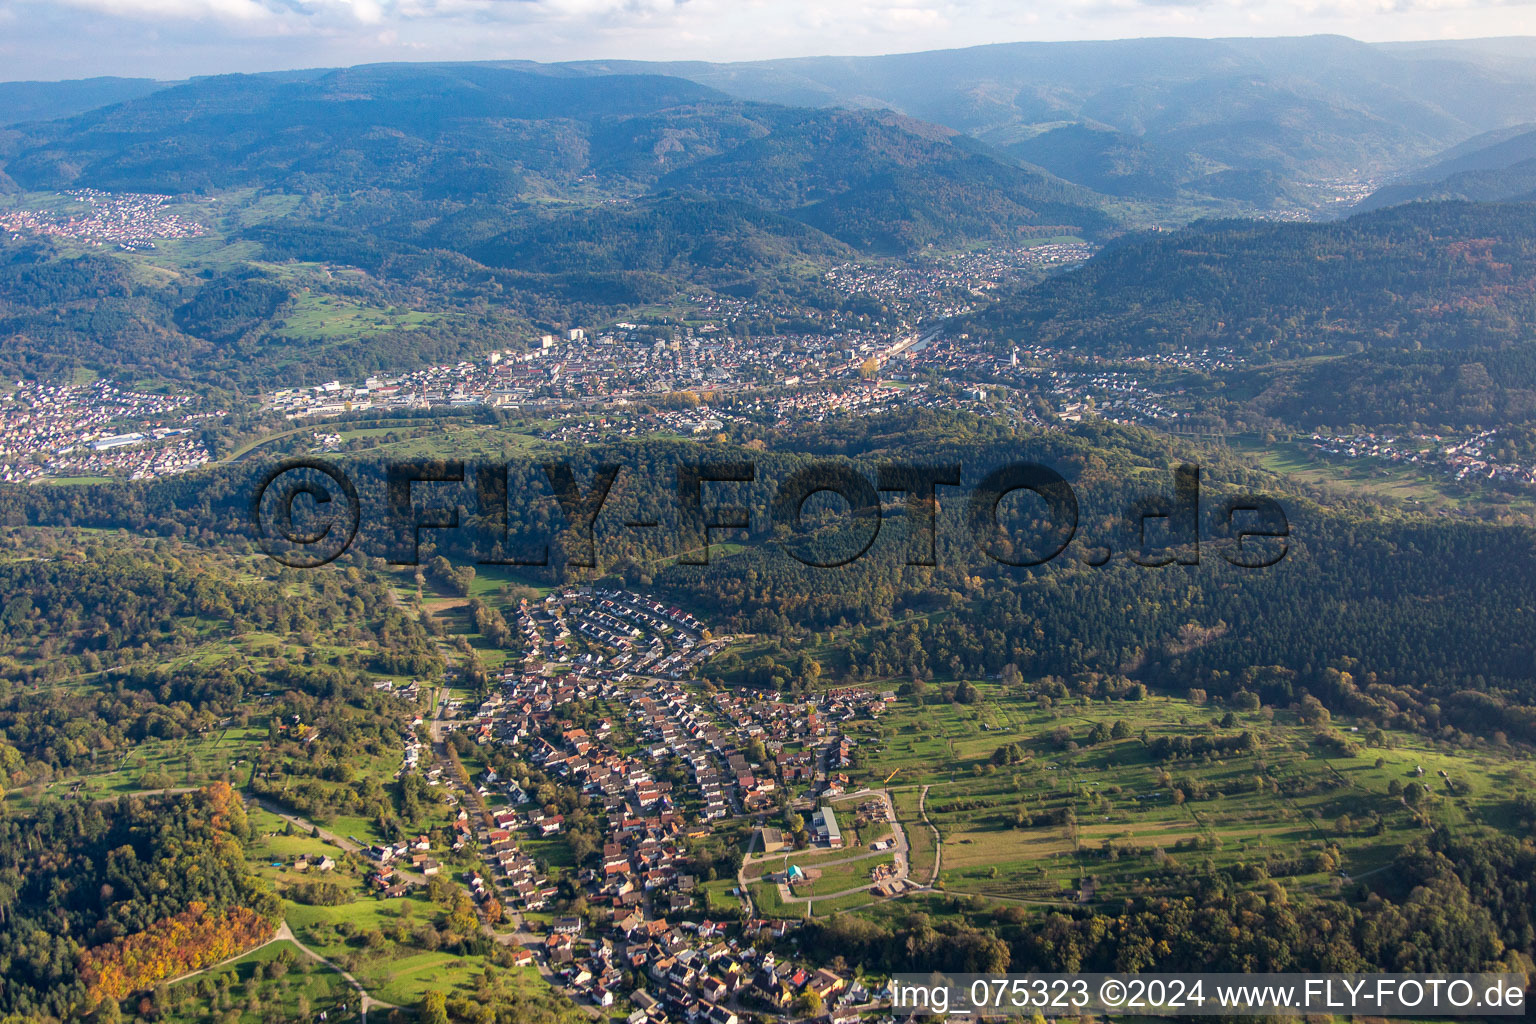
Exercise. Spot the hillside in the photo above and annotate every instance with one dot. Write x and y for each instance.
(482, 198)
(1443, 276)
(1299, 108)
(1220, 123)
(21, 102)
(669, 234)
(1486, 152)
(401, 127)
(1496, 167)
(887, 183)
(1109, 161)
(436, 138)
(1516, 183)
(1465, 389)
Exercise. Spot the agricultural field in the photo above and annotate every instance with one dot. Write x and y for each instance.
(921, 844)
(327, 317)
(1094, 802)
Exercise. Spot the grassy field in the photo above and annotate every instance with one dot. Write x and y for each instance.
(329, 317)
(1074, 821)
(765, 897)
(843, 904)
(806, 859)
(276, 982)
(74, 481)
(373, 938)
(445, 438)
(835, 877)
(921, 848)
(1375, 478)
(718, 898)
(154, 764)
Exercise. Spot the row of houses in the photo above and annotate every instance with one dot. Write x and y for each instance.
(663, 774)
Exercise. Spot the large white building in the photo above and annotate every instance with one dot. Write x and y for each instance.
(825, 824)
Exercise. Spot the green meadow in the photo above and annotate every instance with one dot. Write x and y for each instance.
(1074, 820)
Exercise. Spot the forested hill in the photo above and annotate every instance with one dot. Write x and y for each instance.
(398, 126)
(1515, 183)
(1177, 110)
(487, 198)
(44, 101)
(1446, 275)
(1400, 593)
(1494, 167)
(1218, 123)
(480, 143)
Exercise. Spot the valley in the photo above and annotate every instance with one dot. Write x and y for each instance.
(668, 770)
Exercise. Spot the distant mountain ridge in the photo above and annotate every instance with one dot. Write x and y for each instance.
(1297, 108)
(491, 195)
(449, 154)
(1174, 120)
(1497, 166)
(21, 102)
(1488, 151)
(509, 193)
(377, 125)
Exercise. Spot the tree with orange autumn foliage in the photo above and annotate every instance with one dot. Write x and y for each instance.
(190, 941)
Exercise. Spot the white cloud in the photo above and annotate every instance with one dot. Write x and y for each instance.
(909, 17)
(171, 38)
(229, 10)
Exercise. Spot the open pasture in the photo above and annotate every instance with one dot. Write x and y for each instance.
(1093, 802)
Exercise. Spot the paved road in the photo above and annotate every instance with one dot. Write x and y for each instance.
(741, 879)
(901, 867)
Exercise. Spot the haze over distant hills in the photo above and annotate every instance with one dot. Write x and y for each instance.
(1208, 121)
(1312, 106)
(21, 102)
(1497, 166)
(455, 151)
(547, 192)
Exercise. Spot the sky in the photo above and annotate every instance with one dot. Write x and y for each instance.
(172, 39)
